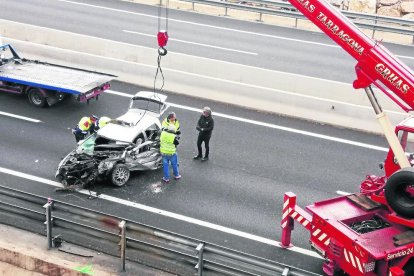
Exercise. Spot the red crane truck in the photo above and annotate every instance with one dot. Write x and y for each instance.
(46, 83)
(370, 232)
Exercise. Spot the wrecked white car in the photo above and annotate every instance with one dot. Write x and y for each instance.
(128, 143)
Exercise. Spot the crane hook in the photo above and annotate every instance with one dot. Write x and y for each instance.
(162, 35)
(162, 38)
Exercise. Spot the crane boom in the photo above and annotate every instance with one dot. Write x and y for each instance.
(374, 62)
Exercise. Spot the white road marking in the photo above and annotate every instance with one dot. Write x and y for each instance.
(195, 43)
(165, 213)
(202, 25)
(288, 129)
(20, 117)
(342, 193)
(407, 57)
(216, 27)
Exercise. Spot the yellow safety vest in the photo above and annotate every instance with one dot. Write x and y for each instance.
(167, 143)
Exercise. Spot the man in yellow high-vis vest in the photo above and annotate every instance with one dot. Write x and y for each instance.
(168, 149)
(172, 119)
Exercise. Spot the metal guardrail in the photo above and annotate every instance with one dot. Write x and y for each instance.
(283, 8)
(130, 240)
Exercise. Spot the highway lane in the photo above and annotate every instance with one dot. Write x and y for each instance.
(241, 187)
(248, 43)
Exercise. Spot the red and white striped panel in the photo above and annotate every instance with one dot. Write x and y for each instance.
(299, 218)
(353, 260)
(285, 213)
(321, 236)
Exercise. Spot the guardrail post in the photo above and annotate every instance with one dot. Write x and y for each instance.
(375, 24)
(285, 271)
(48, 222)
(200, 251)
(122, 243)
(287, 223)
(260, 17)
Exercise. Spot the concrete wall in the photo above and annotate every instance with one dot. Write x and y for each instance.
(289, 94)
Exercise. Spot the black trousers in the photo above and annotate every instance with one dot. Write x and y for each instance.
(79, 136)
(206, 140)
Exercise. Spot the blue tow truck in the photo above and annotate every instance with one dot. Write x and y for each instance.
(44, 83)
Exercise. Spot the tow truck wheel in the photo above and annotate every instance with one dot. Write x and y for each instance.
(36, 97)
(399, 192)
(120, 175)
(409, 267)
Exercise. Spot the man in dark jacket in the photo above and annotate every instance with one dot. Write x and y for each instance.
(205, 127)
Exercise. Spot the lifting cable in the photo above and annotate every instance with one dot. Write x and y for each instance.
(162, 38)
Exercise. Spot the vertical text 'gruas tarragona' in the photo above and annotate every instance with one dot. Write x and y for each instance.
(340, 33)
(333, 27)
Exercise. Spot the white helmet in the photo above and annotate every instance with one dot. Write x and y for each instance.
(103, 121)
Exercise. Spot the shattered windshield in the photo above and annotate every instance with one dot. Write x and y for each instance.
(145, 104)
(87, 145)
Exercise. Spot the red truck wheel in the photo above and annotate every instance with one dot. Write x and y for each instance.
(399, 192)
(36, 97)
(409, 267)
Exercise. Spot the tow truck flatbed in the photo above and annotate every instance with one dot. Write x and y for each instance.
(51, 76)
(46, 82)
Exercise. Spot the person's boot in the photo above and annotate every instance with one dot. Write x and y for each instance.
(205, 158)
(197, 157)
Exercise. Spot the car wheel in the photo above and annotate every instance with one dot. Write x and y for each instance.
(120, 175)
(36, 97)
(399, 192)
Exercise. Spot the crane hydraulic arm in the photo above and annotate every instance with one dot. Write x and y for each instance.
(375, 62)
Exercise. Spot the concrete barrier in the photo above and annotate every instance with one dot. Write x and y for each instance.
(313, 99)
(24, 253)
